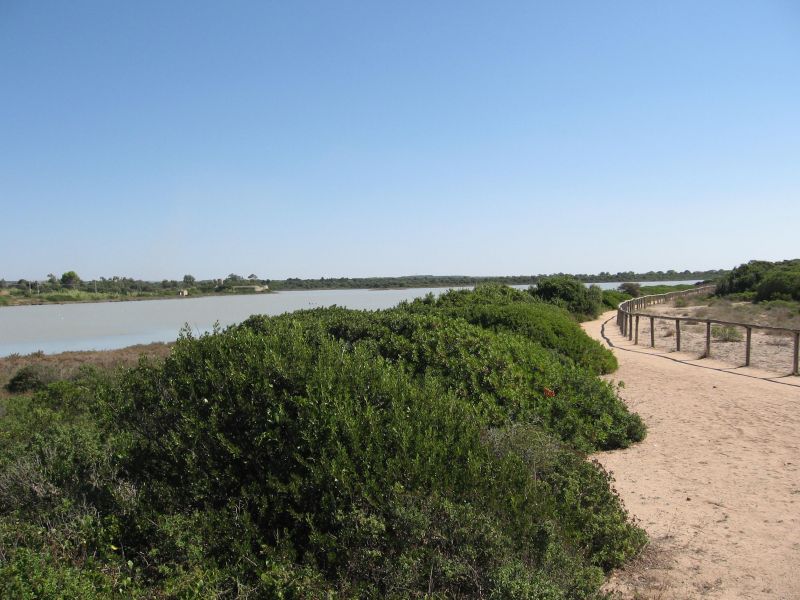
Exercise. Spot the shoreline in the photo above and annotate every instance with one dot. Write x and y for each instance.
(133, 299)
(33, 302)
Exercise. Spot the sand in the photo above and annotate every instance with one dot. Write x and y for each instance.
(716, 483)
(771, 351)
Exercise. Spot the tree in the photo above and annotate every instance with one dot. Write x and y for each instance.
(52, 279)
(252, 277)
(70, 278)
(188, 280)
(634, 289)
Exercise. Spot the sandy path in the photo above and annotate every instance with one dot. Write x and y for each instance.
(716, 484)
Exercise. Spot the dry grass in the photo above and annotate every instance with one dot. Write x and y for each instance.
(67, 364)
(773, 314)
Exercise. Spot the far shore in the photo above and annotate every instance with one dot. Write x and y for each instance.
(34, 301)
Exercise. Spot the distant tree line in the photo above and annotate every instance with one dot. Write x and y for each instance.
(670, 275)
(121, 285)
(293, 283)
(760, 280)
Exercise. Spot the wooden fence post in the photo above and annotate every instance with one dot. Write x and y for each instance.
(747, 347)
(796, 367)
(652, 332)
(637, 330)
(708, 339)
(678, 334)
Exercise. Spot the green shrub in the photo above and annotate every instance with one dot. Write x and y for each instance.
(779, 285)
(582, 301)
(550, 327)
(334, 447)
(327, 453)
(500, 308)
(28, 574)
(768, 280)
(634, 290)
(502, 374)
(591, 513)
(650, 290)
(613, 298)
(31, 378)
(62, 297)
(726, 333)
(749, 296)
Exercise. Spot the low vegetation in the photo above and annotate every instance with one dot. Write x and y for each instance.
(433, 450)
(773, 313)
(69, 365)
(650, 290)
(726, 333)
(626, 291)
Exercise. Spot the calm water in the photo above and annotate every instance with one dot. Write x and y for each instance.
(105, 325)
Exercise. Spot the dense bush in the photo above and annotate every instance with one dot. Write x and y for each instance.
(501, 308)
(767, 280)
(631, 288)
(584, 302)
(506, 377)
(30, 378)
(327, 453)
(779, 285)
(613, 298)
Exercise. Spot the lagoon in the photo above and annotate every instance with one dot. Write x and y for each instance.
(107, 325)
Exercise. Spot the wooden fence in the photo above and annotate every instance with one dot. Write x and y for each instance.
(628, 315)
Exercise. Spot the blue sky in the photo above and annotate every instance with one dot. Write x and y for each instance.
(306, 139)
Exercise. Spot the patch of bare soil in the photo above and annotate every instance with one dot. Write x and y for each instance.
(770, 351)
(716, 483)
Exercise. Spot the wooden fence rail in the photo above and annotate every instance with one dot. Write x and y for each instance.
(628, 315)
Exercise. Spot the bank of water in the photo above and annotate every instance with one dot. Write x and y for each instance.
(106, 325)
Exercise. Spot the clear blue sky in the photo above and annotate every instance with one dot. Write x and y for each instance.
(154, 139)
